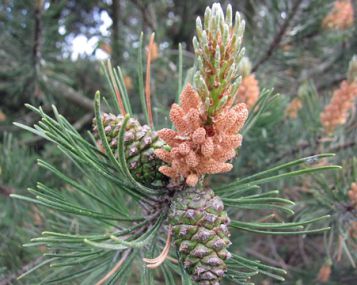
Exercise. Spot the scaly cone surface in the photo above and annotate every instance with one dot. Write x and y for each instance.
(201, 234)
(140, 145)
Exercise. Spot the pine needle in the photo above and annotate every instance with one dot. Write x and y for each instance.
(147, 79)
(116, 88)
(115, 268)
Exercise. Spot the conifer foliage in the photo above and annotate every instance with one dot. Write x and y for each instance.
(144, 202)
(139, 200)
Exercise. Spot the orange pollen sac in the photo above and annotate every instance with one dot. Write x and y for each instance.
(336, 112)
(324, 273)
(293, 108)
(341, 17)
(353, 230)
(199, 148)
(352, 195)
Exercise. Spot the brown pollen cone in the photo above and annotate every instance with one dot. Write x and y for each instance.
(199, 147)
(353, 230)
(352, 194)
(324, 273)
(341, 17)
(336, 112)
(293, 108)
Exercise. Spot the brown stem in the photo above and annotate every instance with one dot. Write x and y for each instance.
(10, 278)
(147, 80)
(148, 20)
(73, 96)
(302, 251)
(266, 259)
(6, 190)
(116, 43)
(316, 144)
(279, 35)
(37, 43)
(299, 147)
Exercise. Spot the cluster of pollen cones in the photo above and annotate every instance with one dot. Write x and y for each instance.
(293, 108)
(341, 17)
(324, 273)
(200, 146)
(336, 112)
(352, 194)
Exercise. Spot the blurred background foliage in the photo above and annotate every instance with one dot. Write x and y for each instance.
(50, 52)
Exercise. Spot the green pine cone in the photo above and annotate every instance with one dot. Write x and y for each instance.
(199, 225)
(140, 144)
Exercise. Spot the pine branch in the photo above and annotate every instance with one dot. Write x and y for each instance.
(121, 217)
(36, 49)
(267, 259)
(6, 190)
(10, 278)
(324, 85)
(323, 68)
(147, 19)
(37, 44)
(71, 95)
(299, 147)
(116, 45)
(304, 145)
(279, 35)
(343, 146)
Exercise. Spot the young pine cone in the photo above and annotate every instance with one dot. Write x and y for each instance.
(140, 145)
(199, 225)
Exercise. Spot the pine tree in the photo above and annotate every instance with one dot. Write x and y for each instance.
(123, 223)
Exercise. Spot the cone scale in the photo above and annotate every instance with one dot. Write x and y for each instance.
(140, 144)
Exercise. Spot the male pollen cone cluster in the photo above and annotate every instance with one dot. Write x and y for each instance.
(248, 91)
(352, 194)
(336, 112)
(353, 230)
(293, 108)
(199, 147)
(324, 273)
(341, 17)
